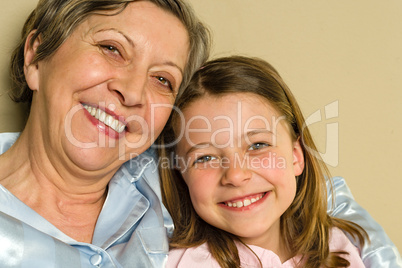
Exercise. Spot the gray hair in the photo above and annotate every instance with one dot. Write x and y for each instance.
(55, 20)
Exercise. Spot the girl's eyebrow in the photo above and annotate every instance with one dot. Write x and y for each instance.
(203, 145)
(258, 131)
(200, 145)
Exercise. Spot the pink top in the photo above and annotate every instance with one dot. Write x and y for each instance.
(199, 257)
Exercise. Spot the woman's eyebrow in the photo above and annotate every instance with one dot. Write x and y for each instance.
(170, 63)
(129, 40)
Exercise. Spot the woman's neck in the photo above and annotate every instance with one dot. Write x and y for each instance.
(70, 202)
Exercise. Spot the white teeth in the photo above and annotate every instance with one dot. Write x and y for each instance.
(121, 128)
(109, 121)
(97, 114)
(106, 119)
(102, 116)
(244, 203)
(114, 124)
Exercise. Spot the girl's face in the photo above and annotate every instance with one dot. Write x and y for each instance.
(239, 162)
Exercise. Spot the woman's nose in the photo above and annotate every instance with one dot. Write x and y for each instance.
(130, 88)
(236, 174)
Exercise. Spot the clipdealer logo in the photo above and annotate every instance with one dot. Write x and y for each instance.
(331, 154)
(331, 111)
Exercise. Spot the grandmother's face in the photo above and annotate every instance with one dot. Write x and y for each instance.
(107, 92)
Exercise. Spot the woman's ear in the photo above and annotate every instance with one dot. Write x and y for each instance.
(298, 158)
(176, 164)
(179, 164)
(31, 70)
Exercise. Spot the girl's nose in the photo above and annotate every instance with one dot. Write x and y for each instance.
(236, 174)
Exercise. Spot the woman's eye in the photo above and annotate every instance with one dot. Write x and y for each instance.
(110, 49)
(257, 146)
(204, 159)
(164, 81)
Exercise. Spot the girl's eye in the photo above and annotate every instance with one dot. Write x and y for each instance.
(204, 159)
(258, 145)
(164, 82)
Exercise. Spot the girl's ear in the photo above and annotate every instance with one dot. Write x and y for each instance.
(298, 158)
(31, 70)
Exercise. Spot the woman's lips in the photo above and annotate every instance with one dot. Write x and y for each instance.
(105, 118)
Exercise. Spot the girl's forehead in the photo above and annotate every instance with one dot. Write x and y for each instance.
(228, 103)
(221, 120)
(238, 112)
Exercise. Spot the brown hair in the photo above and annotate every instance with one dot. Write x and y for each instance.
(55, 20)
(305, 225)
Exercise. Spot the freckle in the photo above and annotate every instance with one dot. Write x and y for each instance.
(112, 107)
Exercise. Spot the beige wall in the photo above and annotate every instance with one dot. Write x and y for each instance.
(343, 56)
(328, 51)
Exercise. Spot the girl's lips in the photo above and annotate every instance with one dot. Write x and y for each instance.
(244, 201)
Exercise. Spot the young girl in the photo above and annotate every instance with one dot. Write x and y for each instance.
(247, 189)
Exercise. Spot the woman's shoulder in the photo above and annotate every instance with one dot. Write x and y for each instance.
(7, 139)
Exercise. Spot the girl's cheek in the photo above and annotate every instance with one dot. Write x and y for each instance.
(273, 166)
(267, 162)
(206, 178)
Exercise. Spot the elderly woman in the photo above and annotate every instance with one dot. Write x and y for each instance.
(78, 188)
(101, 77)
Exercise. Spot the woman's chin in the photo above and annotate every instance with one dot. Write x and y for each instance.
(97, 158)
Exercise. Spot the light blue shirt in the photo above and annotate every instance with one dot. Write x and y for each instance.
(380, 252)
(133, 226)
(131, 230)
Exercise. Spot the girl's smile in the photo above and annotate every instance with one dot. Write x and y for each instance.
(245, 203)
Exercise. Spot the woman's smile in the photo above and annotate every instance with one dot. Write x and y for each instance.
(109, 120)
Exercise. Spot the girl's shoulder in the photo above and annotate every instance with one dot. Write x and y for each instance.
(338, 241)
(197, 257)
(200, 257)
